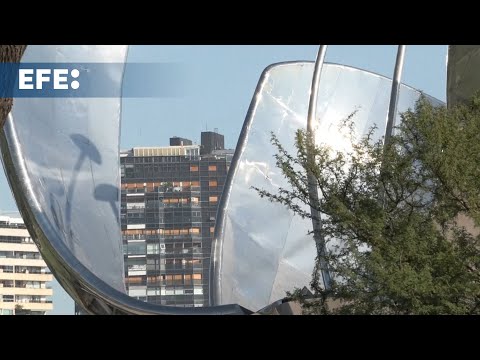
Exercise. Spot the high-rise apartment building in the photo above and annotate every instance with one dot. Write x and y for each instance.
(24, 276)
(168, 207)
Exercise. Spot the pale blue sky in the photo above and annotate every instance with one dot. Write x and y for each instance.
(220, 87)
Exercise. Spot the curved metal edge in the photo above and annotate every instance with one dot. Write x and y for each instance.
(89, 291)
(215, 273)
(217, 243)
(119, 193)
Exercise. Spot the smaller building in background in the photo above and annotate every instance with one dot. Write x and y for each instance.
(211, 141)
(178, 141)
(24, 276)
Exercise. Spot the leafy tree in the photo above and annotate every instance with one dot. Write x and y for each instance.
(399, 220)
(19, 310)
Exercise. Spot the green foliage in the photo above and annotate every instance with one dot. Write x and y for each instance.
(391, 214)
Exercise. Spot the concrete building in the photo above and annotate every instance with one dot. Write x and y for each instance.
(211, 141)
(168, 207)
(24, 276)
(178, 141)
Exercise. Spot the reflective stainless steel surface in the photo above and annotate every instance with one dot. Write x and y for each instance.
(70, 147)
(261, 249)
(463, 77)
(61, 157)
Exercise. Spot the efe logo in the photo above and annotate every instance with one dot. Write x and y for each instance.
(33, 79)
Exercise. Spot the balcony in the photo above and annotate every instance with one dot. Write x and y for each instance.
(23, 262)
(26, 276)
(34, 306)
(22, 247)
(25, 291)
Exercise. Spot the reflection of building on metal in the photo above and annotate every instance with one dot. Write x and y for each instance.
(24, 276)
(260, 250)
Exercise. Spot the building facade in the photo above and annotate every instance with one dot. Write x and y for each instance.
(211, 141)
(168, 206)
(24, 276)
(178, 141)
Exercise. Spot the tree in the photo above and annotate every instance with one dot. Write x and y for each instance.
(8, 54)
(19, 310)
(400, 220)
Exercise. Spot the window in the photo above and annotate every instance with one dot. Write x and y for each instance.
(212, 168)
(6, 269)
(133, 280)
(133, 232)
(212, 229)
(212, 183)
(136, 248)
(153, 248)
(195, 231)
(134, 264)
(193, 168)
(213, 199)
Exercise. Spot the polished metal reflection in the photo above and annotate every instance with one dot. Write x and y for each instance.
(61, 157)
(61, 160)
(261, 249)
(68, 158)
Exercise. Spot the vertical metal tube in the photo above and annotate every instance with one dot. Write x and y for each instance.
(397, 78)
(312, 182)
(392, 108)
